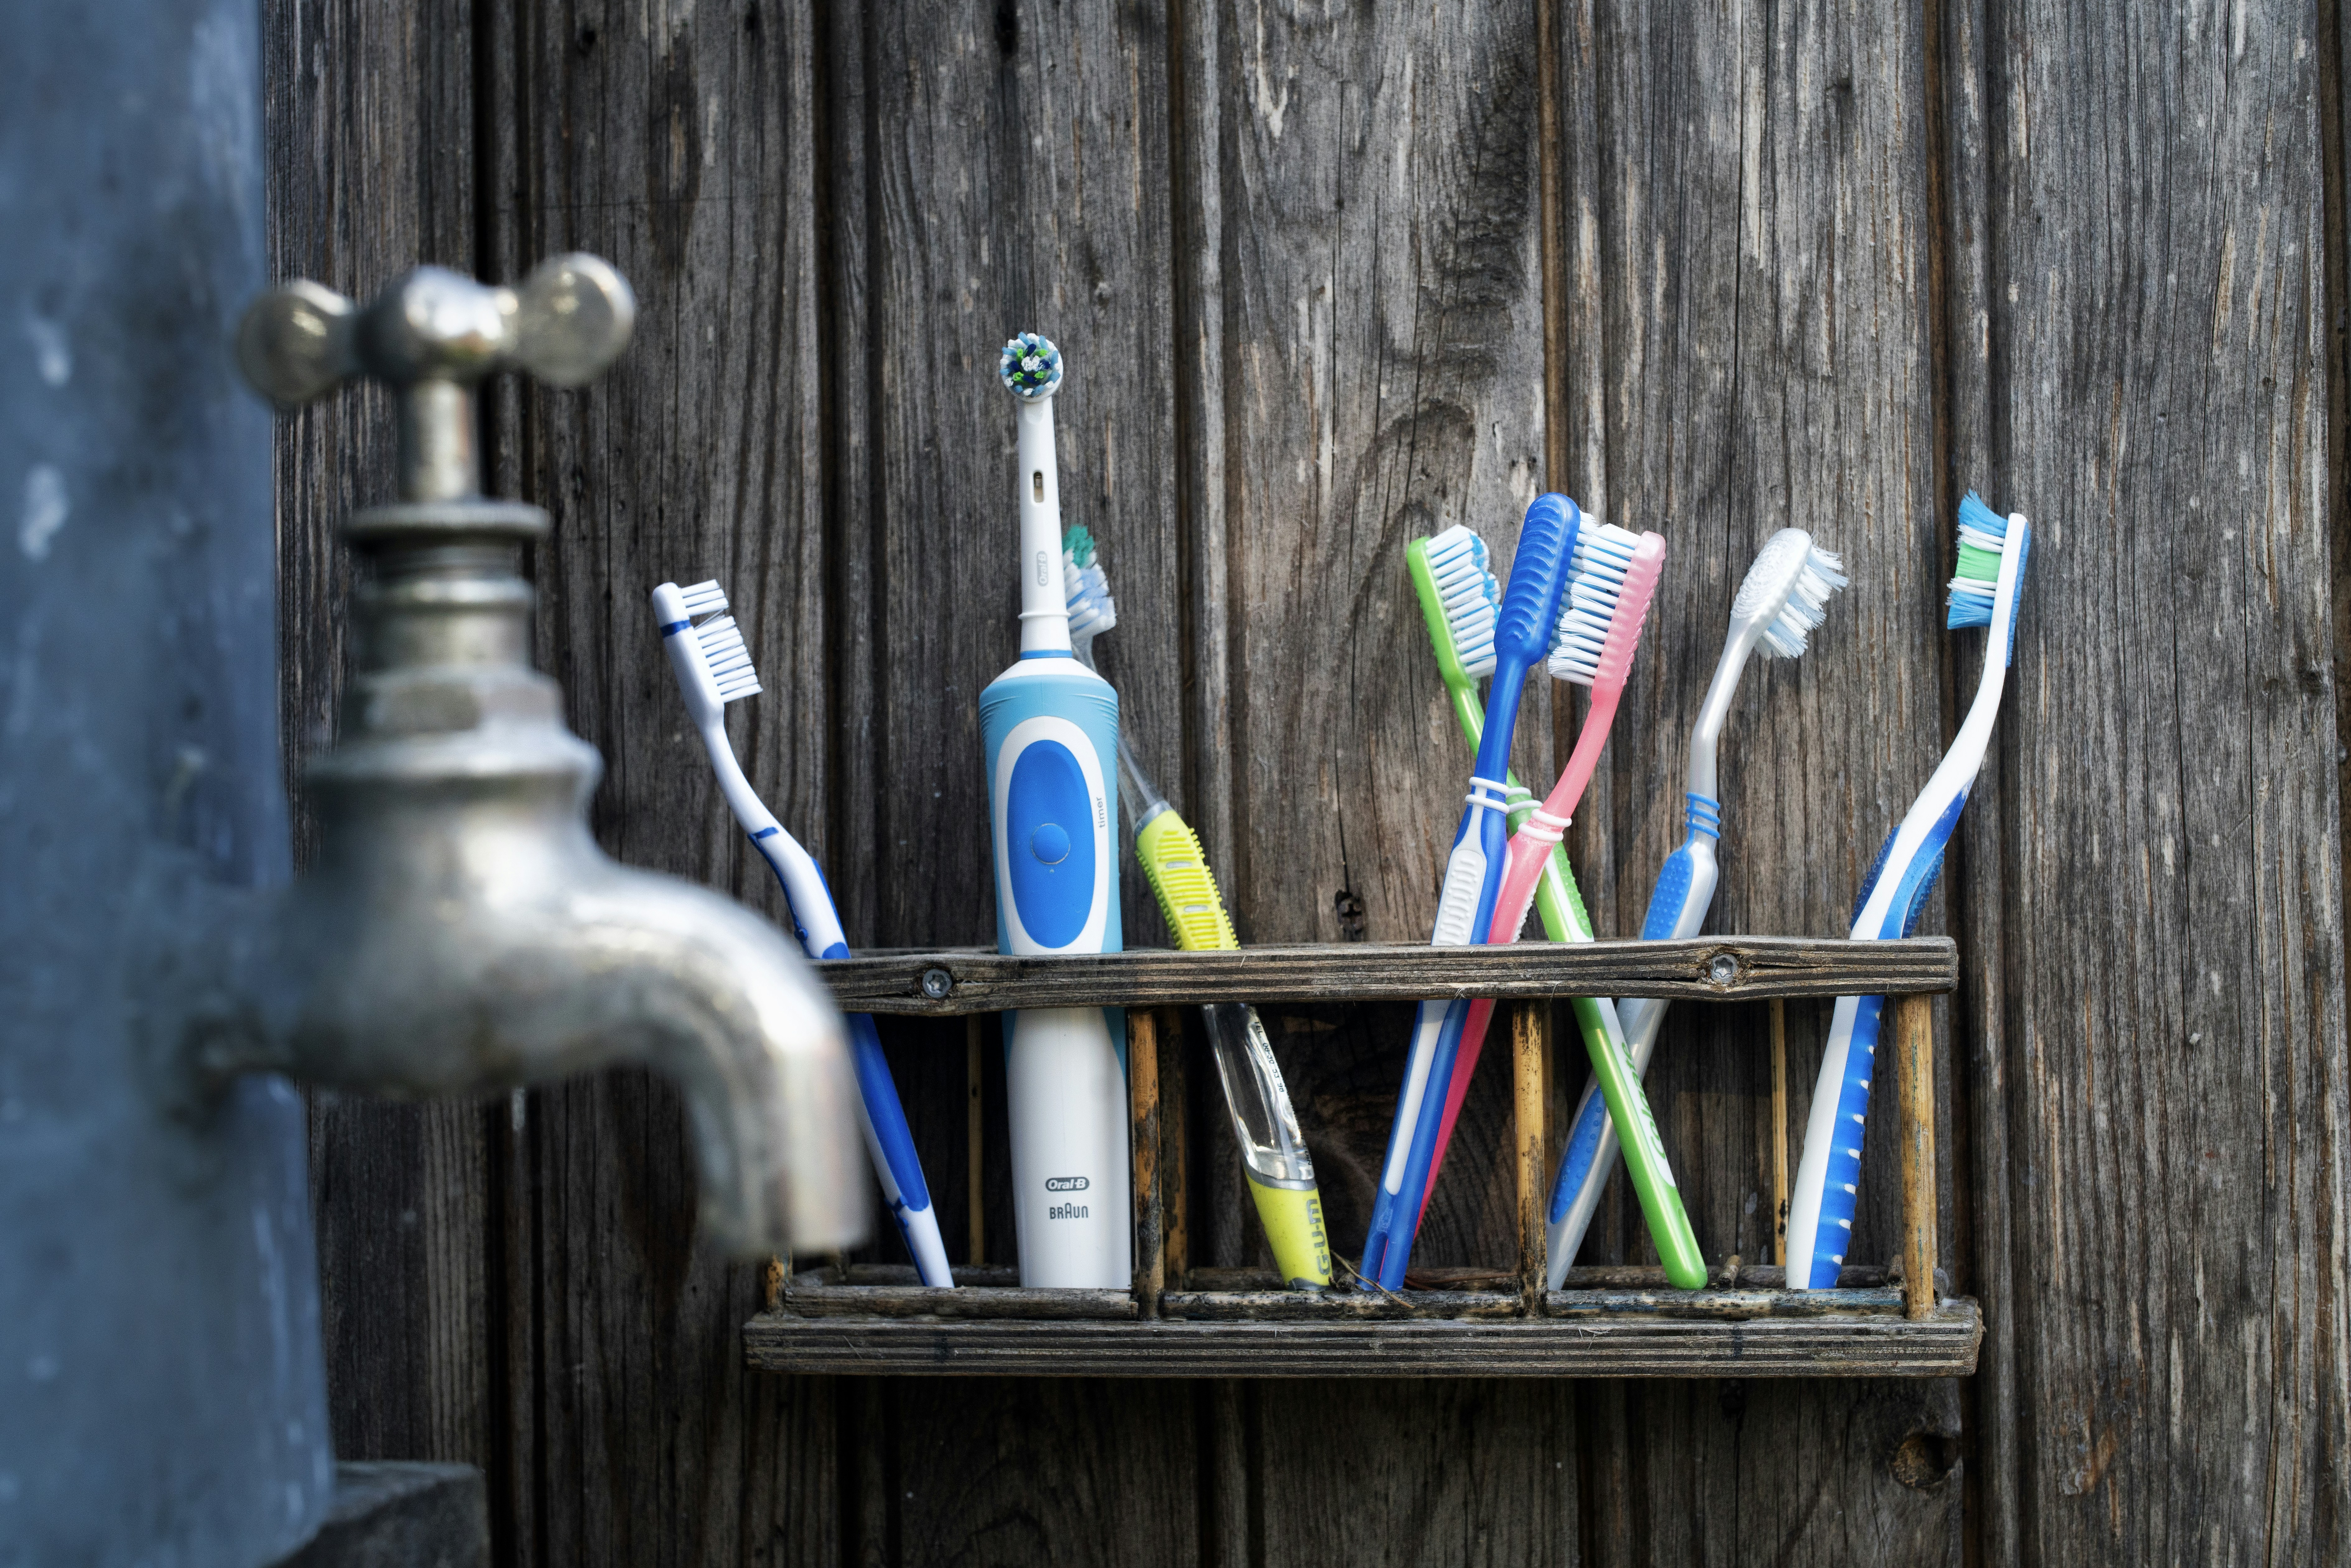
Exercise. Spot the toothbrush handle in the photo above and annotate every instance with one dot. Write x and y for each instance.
(1177, 869)
(881, 1114)
(892, 1144)
(1645, 1156)
(1528, 861)
(1411, 1190)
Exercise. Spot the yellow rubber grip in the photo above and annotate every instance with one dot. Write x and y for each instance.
(1178, 873)
(1292, 1218)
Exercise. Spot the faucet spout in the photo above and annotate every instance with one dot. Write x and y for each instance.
(459, 931)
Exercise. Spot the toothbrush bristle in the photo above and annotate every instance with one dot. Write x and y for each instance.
(1983, 534)
(1819, 580)
(1085, 586)
(721, 641)
(1472, 599)
(1030, 367)
(1594, 586)
(704, 599)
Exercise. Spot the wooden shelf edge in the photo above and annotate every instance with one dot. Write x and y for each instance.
(1630, 1345)
(955, 981)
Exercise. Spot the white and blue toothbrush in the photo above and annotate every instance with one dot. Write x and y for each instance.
(1473, 875)
(1985, 592)
(714, 668)
(1049, 727)
(1781, 601)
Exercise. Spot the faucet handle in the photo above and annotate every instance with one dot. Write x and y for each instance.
(430, 334)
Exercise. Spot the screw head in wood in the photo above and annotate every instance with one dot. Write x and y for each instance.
(936, 984)
(1722, 969)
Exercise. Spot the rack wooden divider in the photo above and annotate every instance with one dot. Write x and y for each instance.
(1606, 1322)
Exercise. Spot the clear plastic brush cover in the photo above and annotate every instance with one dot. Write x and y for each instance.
(1262, 1118)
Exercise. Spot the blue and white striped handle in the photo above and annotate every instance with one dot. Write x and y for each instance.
(1828, 1183)
(1464, 908)
(884, 1118)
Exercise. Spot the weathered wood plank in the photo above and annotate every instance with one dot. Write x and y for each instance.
(1370, 368)
(1713, 969)
(1007, 169)
(1760, 249)
(680, 144)
(830, 1300)
(1879, 1344)
(365, 114)
(1340, 1305)
(2170, 996)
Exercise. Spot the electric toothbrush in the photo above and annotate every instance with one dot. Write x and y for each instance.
(1050, 728)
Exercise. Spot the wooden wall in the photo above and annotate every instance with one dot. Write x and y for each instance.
(1328, 278)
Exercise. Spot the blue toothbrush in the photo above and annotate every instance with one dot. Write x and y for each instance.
(1473, 875)
(714, 668)
(1986, 592)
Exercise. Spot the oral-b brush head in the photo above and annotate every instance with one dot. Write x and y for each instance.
(1788, 589)
(1085, 586)
(1031, 367)
(713, 663)
(1596, 600)
(1460, 599)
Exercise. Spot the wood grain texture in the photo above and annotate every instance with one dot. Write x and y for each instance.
(367, 134)
(1874, 1344)
(2155, 400)
(1914, 1132)
(1810, 265)
(1760, 250)
(996, 167)
(1714, 969)
(678, 144)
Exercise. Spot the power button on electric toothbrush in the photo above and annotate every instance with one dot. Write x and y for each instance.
(1050, 843)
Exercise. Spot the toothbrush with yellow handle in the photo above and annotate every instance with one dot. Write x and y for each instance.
(1273, 1152)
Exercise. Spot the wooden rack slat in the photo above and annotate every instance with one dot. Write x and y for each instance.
(956, 981)
(1879, 1343)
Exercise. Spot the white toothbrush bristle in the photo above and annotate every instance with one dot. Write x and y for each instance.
(1086, 591)
(704, 599)
(723, 649)
(1595, 579)
(1816, 584)
(1472, 599)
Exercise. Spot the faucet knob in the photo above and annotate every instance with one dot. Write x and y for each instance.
(431, 335)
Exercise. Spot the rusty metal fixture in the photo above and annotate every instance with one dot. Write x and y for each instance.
(460, 932)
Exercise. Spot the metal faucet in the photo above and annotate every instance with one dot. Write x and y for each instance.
(460, 931)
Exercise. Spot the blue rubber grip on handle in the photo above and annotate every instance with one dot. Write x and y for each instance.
(1403, 1213)
(1840, 1191)
(883, 1109)
(1583, 1148)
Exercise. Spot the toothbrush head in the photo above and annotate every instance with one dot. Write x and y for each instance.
(1608, 593)
(1031, 367)
(1085, 586)
(1986, 540)
(1538, 568)
(712, 663)
(1460, 600)
(1788, 589)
